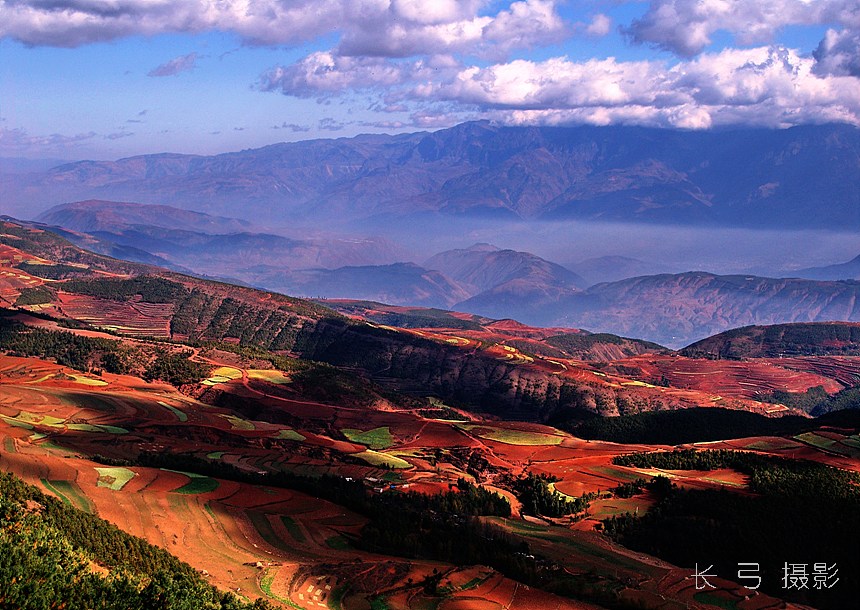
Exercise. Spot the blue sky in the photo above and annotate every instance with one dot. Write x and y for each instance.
(105, 79)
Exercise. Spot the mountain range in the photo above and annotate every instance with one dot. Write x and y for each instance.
(800, 177)
(669, 309)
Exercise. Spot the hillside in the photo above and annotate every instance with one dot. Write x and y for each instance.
(288, 451)
(628, 174)
(779, 340)
(112, 216)
(840, 271)
(674, 310)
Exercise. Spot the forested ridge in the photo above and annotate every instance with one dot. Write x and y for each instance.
(799, 512)
(46, 547)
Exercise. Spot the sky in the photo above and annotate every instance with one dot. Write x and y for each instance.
(104, 79)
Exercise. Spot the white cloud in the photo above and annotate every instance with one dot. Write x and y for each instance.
(18, 142)
(390, 28)
(600, 25)
(685, 27)
(184, 63)
(839, 53)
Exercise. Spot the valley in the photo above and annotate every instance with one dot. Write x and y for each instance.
(328, 454)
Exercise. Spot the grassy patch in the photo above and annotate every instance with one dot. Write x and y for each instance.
(811, 438)
(88, 380)
(237, 423)
(114, 478)
(97, 428)
(338, 543)
(852, 441)
(290, 435)
(199, 483)
(68, 493)
(276, 377)
(180, 415)
(511, 437)
(374, 458)
(215, 455)
(378, 438)
(293, 528)
(710, 599)
(14, 422)
(261, 523)
(616, 473)
(266, 586)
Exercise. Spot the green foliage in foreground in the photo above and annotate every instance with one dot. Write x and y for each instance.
(802, 512)
(176, 369)
(540, 499)
(45, 549)
(68, 349)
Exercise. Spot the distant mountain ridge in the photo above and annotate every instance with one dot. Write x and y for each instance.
(839, 271)
(800, 177)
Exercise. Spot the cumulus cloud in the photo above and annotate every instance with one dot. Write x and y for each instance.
(391, 28)
(184, 63)
(685, 27)
(325, 73)
(600, 25)
(839, 53)
(769, 86)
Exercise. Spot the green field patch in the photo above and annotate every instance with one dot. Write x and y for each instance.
(33, 418)
(811, 438)
(68, 493)
(97, 428)
(266, 586)
(510, 436)
(264, 527)
(378, 438)
(338, 543)
(180, 415)
(215, 455)
(525, 526)
(88, 380)
(723, 482)
(14, 422)
(289, 435)
(293, 528)
(852, 441)
(772, 445)
(375, 458)
(199, 484)
(114, 478)
(237, 423)
(617, 473)
(41, 379)
(222, 374)
(711, 599)
(9, 444)
(272, 376)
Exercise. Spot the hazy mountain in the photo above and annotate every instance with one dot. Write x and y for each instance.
(116, 216)
(803, 339)
(614, 268)
(484, 267)
(675, 310)
(210, 245)
(841, 271)
(800, 177)
(397, 284)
